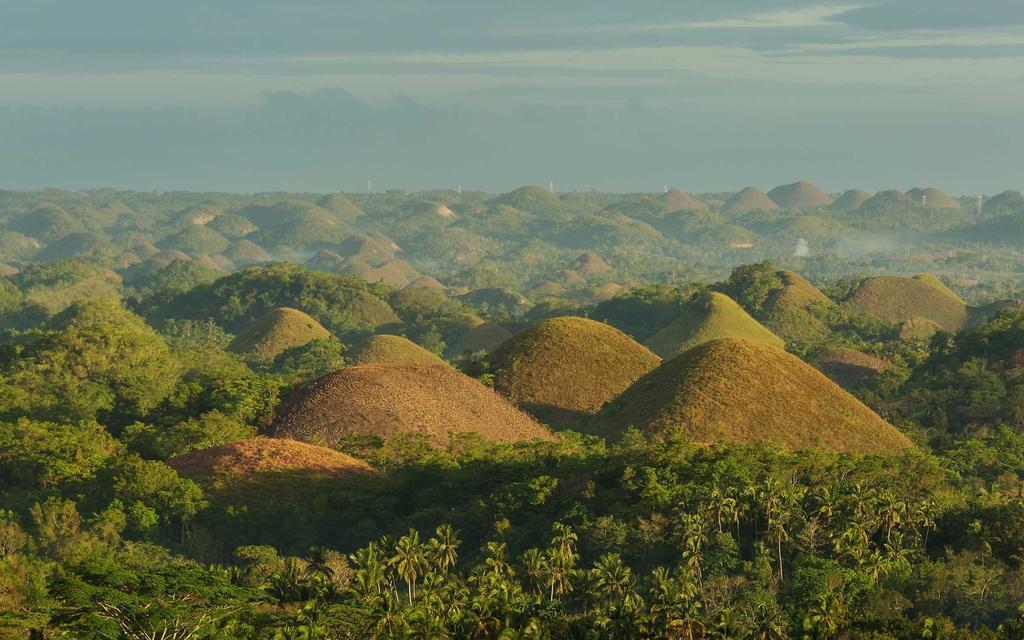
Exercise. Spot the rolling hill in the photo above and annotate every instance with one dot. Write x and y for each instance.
(385, 400)
(675, 200)
(563, 369)
(388, 349)
(850, 200)
(898, 300)
(275, 332)
(709, 316)
(739, 391)
(747, 200)
(799, 195)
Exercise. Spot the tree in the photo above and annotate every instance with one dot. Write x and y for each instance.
(409, 560)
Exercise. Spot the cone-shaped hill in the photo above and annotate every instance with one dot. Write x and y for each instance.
(709, 316)
(739, 391)
(850, 200)
(675, 200)
(340, 205)
(385, 400)
(887, 201)
(933, 198)
(799, 195)
(259, 471)
(260, 455)
(275, 332)
(791, 311)
(388, 349)
(899, 300)
(564, 369)
(426, 282)
(749, 199)
(590, 263)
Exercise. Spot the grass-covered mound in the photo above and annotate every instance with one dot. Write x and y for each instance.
(426, 282)
(565, 368)
(528, 198)
(340, 205)
(848, 366)
(933, 281)
(933, 198)
(749, 199)
(736, 390)
(709, 316)
(388, 349)
(590, 263)
(850, 200)
(261, 470)
(799, 195)
(794, 311)
(244, 252)
(277, 331)
(228, 462)
(675, 200)
(1007, 202)
(897, 300)
(385, 400)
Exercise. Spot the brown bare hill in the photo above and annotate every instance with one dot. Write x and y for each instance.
(848, 366)
(932, 198)
(228, 462)
(675, 200)
(386, 400)
(261, 473)
(275, 332)
(709, 316)
(388, 349)
(897, 300)
(246, 252)
(799, 195)
(485, 336)
(887, 201)
(850, 200)
(590, 263)
(749, 199)
(933, 281)
(735, 390)
(426, 282)
(564, 369)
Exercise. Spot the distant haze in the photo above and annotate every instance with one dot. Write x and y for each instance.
(706, 95)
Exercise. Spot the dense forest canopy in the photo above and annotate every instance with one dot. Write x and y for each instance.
(754, 415)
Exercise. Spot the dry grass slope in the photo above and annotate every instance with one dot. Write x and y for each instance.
(675, 200)
(563, 369)
(386, 400)
(897, 300)
(707, 317)
(276, 331)
(388, 349)
(749, 199)
(799, 195)
(736, 390)
(850, 200)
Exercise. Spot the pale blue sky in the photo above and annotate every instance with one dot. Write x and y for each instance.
(702, 94)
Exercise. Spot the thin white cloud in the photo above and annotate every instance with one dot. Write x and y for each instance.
(815, 16)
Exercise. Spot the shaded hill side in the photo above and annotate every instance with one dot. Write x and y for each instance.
(706, 317)
(736, 390)
(485, 336)
(675, 200)
(275, 332)
(849, 200)
(565, 368)
(897, 300)
(385, 400)
(847, 367)
(389, 349)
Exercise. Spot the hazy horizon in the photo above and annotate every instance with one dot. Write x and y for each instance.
(705, 96)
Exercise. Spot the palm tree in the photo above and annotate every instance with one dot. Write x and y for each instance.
(444, 547)
(535, 566)
(612, 578)
(409, 561)
(767, 623)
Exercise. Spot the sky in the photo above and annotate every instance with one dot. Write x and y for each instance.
(324, 95)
